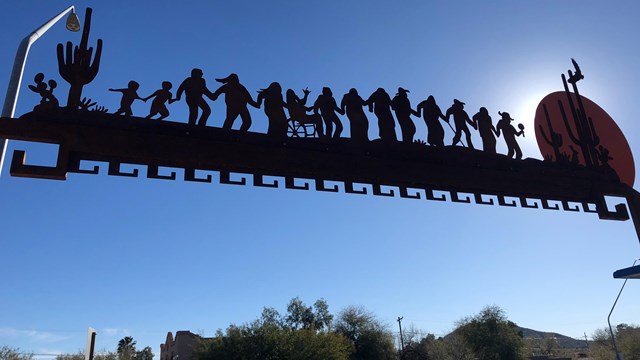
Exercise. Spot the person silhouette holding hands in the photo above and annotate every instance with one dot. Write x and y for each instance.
(161, 97)
(129, 95)
(352, 104)
(298, 110)
(460, 119)
(328, 108)
(432, 114)
(236, 97)
(380, 104)
(402, 107)
(194, 88)
(486, 129)
(274, 109)
(510, 134)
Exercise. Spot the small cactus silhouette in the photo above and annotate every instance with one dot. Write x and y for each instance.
(86, 104)
(75, 66)
(100, 109)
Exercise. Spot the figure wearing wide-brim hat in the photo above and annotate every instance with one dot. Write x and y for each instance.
(460, 119)
(510, 134)
(402, 107)
(505, 116)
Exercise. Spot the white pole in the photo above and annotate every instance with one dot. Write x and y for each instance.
(13, 89)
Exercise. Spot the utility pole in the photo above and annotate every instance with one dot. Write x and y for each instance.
(586, 341)
(401, 339)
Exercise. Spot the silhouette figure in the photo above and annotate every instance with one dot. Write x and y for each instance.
(48, 100)
(328, 108)
(195, 87)
(298, 110)
(460, 119)
(129, 95)
(161, 96)
(486, 129)
(432, 114)
(510, 134)
(380, 104)
(402, 107)
(352, 104)
(274, 109)
(236, 97)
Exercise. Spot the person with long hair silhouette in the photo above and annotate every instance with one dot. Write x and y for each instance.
(486, 129)
(402, 107)
(195, 87)
(327, 106)
(236, 97)
(380, 104)
(298, 110)
(460, 119)
(509, 134)
(274, 109)
(352, 104)
(432, 114)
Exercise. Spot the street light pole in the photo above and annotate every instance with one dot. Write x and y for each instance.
(11, 98)
(613, 337)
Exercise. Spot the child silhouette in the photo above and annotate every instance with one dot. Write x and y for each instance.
(161, 96)
(128, 96)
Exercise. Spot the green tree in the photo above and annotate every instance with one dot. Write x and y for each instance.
(10, 353)
(302, 334)
(100, 355)
(451, 347)
(127, 348)
(370, 339)
(627, 340)
(77, 356)
(145, 354)
(491, 335)
(300, 316)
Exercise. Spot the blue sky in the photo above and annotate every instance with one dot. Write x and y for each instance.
(141, 257)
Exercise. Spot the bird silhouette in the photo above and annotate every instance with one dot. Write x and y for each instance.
(574, 78)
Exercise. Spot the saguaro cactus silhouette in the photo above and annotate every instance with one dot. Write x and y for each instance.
(75, 66)
(585, 136)
(554, 139)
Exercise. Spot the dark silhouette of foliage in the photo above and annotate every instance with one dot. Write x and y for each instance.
(302, 333)
(10, 353)
(491, 336)
(370, 339)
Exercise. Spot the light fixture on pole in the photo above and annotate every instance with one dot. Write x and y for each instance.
(11, 98)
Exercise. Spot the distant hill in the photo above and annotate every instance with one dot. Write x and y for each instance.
(564, 342)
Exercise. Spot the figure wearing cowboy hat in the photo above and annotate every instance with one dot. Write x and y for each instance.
(460, 119)
(402, 107)
(510, 134)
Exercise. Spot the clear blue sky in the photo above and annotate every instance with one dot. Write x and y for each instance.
(141, 257)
